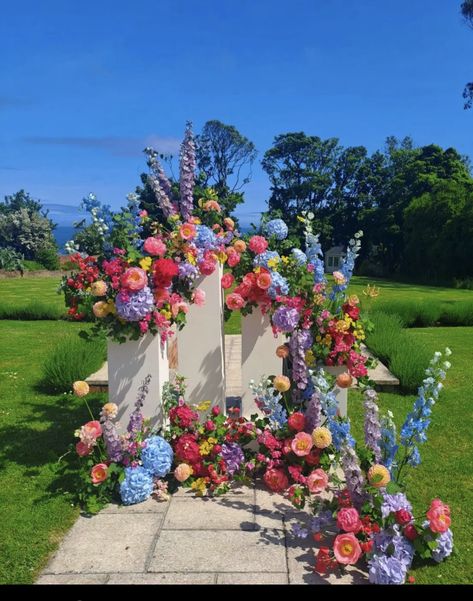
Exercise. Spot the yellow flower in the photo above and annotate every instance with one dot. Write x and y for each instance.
(205, 447)
(371, 291)
(273, 263)
(174, 217)
(190, 258)
(318, 338)
(110, 410)
(285, 260)
(100, 309)
(80, 388)
(282, 383)
(204, 406)
(98, 288)
(378, 475)
(111, 307)
(212, 440)
(322, 437)
(166, 314)
(301, 219)
(257, 269)
(146, 263)
(199, 486)
(310, 358)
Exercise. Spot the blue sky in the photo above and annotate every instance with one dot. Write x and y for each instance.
(84, 86)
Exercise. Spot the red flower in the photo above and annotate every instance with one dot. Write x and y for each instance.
(182, 416)
(296, 421)
(367, 546)
(410, 532)
(403, 517)
(227, 280)
(216, 410)
(276, 480)
(353, 312)
(187, 449)
(164, 271)
(313, 458)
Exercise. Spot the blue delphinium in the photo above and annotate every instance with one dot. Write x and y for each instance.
(388, 442)
(315, 257)
(187, 166)
(269, 401)
(137, 485)
(299, 257)
(157, 456)
(348, 265)
(276, 228)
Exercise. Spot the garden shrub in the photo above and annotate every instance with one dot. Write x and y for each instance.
(72, 359)
(48, 257)
(10, 260)
(418, 314)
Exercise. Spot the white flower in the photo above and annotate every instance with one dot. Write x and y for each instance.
(448, 352)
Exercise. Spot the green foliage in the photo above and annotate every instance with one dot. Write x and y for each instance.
(11, 260)
(87, 238)
(32, 265)
(72, 359)
(47, 256)
(31, 311)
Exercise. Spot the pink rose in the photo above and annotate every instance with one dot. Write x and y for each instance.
(83, 449)
(348, 519)
(439, 516)
(317, 481)
(276, 480)
(346, 549)
(263, 280)
(199, 297)
(93, 429)
(235, 301)
(134, 279)
(258, 244)
(154, 247)
(187, 231)
(302, 444)
(179, 306)
(227, 281)
(233, 259)
(207, 266)
(99, 473)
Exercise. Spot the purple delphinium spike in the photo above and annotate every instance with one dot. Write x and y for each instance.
(136, 418)
(111, 439)
(160, 184)
(187, 173)
(313, 413)
(299, 343)
(158, 171)
(353, 476)
(372, 425)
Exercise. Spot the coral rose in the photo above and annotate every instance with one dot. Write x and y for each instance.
(182, 472)
(239, 246)
(98, 288)
(378, 476)
(258, 244)
(344, 380)
(233, 259)
(439, 516)
(154, 247)
(348, 519)
(322, 437)
(227, 281)
(83, 449)
(264, 280)
(235, 301)
(211, 205)
(282, 383)
(187, 231)
(99, 473)
(276, 480)
(207, 266)
(80, 388)
(282, 351)
(296, 421)
(302, 444)
(134, 279)
(93, 429)
(346, 549)
(317, 481)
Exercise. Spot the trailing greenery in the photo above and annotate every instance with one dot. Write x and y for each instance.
(72, 359)
(405, 356)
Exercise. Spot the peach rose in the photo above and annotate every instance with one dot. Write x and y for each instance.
(134, 279)
(229, 223)
(339, 277)
(346, 549)
(378, 475)
(101, 309)
(154, 246)
(235, 301)
(182, 472)
(239, 246)
(282, 351)
(263, 281)
(302, 444)
(93, 429)
(322, 437)
(282, 383)
(110, 410)
(439, 516)
(98, 288)
(211, 205)
(99, 473)
(276, 480)
(344, 380)
(317, 481)
(80, 388)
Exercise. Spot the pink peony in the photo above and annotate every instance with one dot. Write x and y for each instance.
(233, 259)
(302, 444)
(263, 280)
(187, 231)
(207, 266)
(348, 519)
(317, 481)
(199, 297)
(134, 279)
(235, 301)
(439, 516)
(93, 429)
(346, 549)
(83, 449)
(180, 306)
(276, 480)
(258, 244)
(99, 473)
(154, 247)
(227, 281)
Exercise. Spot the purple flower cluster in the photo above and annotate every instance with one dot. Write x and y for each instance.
(393, 503)
(353, 476)
(187, 270)
(313, 412)
(299, 343)
(187, 168)
(386, 570)
(134, 306)
(444, 546)
(286, 319)
(136, 418)
(160, 184)
(372, 425)
(111, 439)
(233, 456)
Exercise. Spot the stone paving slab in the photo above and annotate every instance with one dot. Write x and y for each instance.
(150, 506)
(166, 578)
(209, 514)
(218, 551)
(73, 579)
(252, 578)
(106, 543)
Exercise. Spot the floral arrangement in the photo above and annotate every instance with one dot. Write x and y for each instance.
(322, 323)
(145, 278)
(365, 513)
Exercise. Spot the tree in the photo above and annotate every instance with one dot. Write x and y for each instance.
(24, 225)
(467, 12)
(224, 159)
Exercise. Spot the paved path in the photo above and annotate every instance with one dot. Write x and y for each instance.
(243, 537)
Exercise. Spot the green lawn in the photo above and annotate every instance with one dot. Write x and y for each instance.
(446, 470)
(35, 430)
(21, 292)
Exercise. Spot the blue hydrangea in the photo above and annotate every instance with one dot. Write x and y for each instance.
(279, 285)
(386, 570)
(276, 228)
(134, 306)
(299, 256)
(262, 259)
(393, 543)
(157, 456)
(137, 485)
(394, 502)
(205, 238)
(444, 546)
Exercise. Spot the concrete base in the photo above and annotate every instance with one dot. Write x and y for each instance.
(258, 358)
(128, 365)
(341, 394)
(201, 345)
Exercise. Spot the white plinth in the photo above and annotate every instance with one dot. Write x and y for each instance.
(201, 345)
(128, 365)
(258, 357)
(341, 394)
